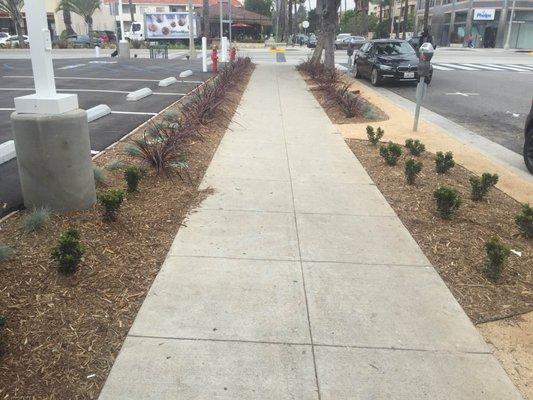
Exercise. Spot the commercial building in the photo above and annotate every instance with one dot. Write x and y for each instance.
(483, 22)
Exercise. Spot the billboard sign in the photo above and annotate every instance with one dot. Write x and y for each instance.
(484, 14)
(173, 25)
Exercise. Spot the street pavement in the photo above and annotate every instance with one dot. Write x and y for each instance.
(296, 280)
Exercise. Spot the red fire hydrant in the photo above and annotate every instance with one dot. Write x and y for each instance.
(214, 59)
(232, 54)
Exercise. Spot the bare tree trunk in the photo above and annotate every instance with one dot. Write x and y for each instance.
(206, 29)
(317, 53)
(364, 17)
(18, 30)
(330, 21)
(405, 16)
(426, 15)
(381, 11)
(289, 27)
(282, 15)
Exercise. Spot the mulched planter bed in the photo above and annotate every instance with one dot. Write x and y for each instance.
(63, 333)
(456, 247)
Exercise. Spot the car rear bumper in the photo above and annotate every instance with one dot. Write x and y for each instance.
(399, 76)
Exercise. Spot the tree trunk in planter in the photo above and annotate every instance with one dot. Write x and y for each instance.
(317, 53)
(67, 19)
(206, 29)
(330, 21)
(89, 21)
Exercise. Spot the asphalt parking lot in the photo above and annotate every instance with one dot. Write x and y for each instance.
(95, 81)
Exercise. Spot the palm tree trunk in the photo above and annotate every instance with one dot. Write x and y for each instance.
(289, 27)
(89, 21)
(426, 15)
(405, 16)
(317, 53)
(330, 21)
(67, 19)
(18, 29)
(205, 19)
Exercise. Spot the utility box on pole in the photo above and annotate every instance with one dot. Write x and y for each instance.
(51, 133)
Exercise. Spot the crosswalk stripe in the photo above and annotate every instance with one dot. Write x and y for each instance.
(482, 67)
(528, 67)
(438, 67)
(454, 66)
(506, 67)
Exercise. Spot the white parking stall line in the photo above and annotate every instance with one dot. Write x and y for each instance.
(457, 66)
(484, 67)
(85, 78)
(7, 151)
(506, 67)
(528, 67)
(134, 113)
(93, 90)
(73, 66)
(7, 109)
(438, 67)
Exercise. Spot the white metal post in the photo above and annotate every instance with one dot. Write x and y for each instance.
(97, 51)
(192, 50)
(204, 54)
(229, 21)
(507, 40)
(224, 49)
(45, 100)
(121, 20)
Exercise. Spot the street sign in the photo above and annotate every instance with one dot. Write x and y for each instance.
(484, 14)
(305, 24)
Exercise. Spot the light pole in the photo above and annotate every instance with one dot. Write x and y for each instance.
(121, 21)
(221, 24)
(229, 21)
(123, 44)
(192, 50)
(507, 46)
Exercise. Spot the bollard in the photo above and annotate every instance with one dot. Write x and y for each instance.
(232, 54)
(97, 51)
(214, 58)
(204, 54)
(224, 49)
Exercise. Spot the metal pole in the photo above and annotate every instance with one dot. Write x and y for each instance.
(221, 23)
(192, 50)
(204, 54)
(506, 46)
(121, 19)
(229, 19)
(419, 94)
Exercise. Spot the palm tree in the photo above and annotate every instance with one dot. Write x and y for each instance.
(426, 15)
(84, 8)
(12, 8)
(67, 18)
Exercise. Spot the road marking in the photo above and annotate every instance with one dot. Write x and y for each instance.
(505, 67)
(102, 62)
(133, 113)
(73, 66)
(528, 67)
(7, 109)
(93, 90)
(453, 66)
(94, 152)
(84, 78)
(462, 94)
(438, 67)
(482, 67)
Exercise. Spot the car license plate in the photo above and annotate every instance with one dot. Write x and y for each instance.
(408, 75)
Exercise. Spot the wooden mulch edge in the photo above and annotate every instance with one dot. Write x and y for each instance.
(63, 333)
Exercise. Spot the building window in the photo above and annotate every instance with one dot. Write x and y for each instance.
(126, 8)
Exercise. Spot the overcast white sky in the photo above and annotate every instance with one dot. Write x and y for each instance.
(350, 4)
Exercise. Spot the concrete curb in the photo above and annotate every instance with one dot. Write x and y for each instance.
(7, 151)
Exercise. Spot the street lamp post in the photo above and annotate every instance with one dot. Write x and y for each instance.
(507, 40)
(192, 50)
(123, 44)
(221, 23)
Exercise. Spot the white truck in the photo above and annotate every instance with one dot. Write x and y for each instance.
(162, 26)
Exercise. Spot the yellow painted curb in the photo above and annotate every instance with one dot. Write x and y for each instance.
(277, 50)
(398, 128)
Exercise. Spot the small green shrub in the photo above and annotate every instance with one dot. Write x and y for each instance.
(131, 150)
(497, 254)
(36, 219)
(481, 186)
(443, 162)
(412, 169)
(115, 165)
(448, 201)
(99, 175)
(416, 147)
(391, 152)
(374, 136)
(111, 200)
(68, 252)
(370, 113)
(6, 252)
(524, 221)
(133, 175)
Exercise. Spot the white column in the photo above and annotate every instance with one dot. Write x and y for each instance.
(192, 50)
(121, 19)
(45, 100)
(224, 49)
(204, 54)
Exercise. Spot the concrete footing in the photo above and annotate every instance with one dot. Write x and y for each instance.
(54, 160)
(124, 49)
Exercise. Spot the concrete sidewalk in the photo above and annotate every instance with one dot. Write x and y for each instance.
(296, 280)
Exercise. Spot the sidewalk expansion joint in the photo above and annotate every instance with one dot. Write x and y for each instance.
(296, 213)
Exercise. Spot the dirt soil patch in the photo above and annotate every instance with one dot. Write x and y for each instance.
(334, 111)
(456, 247)
(63, 333)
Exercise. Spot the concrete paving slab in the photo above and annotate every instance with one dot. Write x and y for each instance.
(330, 150)
(329, 171)
(339, 198)
(350, 373)
(167, 369)
(357, 239)
(225, 299)
(248, 168)
(252, 149)
(248, 195)
(386, 306)
(237, 234)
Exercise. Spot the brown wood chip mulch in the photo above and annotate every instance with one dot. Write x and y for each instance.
(63, 333)
(456, 247)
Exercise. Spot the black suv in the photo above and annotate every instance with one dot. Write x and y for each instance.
(528, 140)
(387, 59)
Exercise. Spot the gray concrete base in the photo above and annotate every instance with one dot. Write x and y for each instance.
(54, 160)
(124, 49)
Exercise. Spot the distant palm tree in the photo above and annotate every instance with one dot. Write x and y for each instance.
(84, 8)
(67, 18)
(12, 9)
